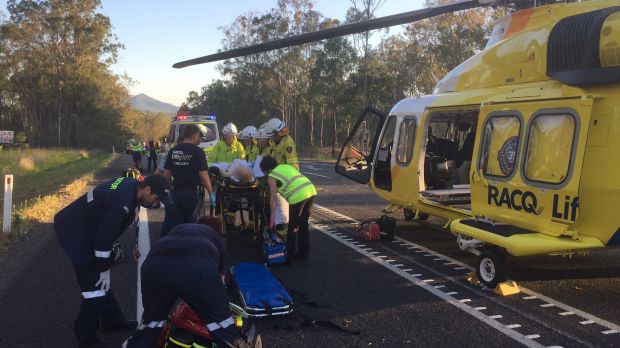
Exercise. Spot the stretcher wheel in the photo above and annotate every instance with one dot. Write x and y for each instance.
(492, 268)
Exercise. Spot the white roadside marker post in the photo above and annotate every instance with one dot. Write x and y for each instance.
(8, 203)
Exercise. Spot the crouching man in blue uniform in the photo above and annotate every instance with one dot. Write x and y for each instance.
(86, 230)
(188, 263)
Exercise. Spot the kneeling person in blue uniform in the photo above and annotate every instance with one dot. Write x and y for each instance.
(188, 263)
(86, 230)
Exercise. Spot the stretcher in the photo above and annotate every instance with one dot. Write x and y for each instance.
(235, 196)
(260, 293)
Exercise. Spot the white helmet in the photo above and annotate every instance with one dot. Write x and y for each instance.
(230, 129)
(262, 134)
(274, 125)
(248, 132)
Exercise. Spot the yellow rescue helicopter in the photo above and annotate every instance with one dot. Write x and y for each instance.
(518, 148)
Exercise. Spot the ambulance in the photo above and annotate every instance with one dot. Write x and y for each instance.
(207, 141)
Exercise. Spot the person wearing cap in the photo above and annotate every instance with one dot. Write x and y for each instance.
(228, 149)
(299, 192)
(247, 138)
(189, 263)
(186, 166)
(86, 230)
(283, 147)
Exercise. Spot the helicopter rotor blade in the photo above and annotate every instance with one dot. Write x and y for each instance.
(342, 30)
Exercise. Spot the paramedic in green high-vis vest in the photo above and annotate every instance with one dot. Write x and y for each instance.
(299, 192)
(228, 149)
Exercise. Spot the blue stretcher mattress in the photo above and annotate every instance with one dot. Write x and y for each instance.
(261, 293)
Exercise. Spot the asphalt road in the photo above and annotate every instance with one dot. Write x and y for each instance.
(407, 292)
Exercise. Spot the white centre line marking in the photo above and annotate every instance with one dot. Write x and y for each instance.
(513, 326)
(439, 286)
(547, 305)
(452, 293)
(566, 313)
(398, 265)
(496, 316)
(463, 307)
(529, 297)
(428, 280)
(416, 275)
(609, 332)
(408, 270)
(465, 300)
(586, 322)
(480, 308)
(144, 246)
(531, 337)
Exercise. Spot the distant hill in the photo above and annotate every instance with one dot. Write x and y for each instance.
(143, 102)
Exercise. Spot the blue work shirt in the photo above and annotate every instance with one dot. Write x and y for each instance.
(88, 227)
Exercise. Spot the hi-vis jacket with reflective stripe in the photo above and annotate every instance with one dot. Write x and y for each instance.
(251, 152)
(88, 227)
(294, 186)
(285, 151)
(223, 153)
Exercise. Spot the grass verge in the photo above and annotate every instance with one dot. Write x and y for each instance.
(73, 178)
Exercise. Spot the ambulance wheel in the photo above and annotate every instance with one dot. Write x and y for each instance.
(492, 268)
(422, 216)
(409, 214)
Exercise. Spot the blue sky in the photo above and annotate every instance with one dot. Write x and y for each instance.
(158, 33)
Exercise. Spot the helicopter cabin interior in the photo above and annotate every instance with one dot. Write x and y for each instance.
(446, 157)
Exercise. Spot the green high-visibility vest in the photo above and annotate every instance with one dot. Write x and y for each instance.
(136, 148)
(295, 187)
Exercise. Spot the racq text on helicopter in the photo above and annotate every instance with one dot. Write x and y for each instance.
(517, 147)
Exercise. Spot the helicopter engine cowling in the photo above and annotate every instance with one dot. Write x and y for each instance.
(585, 49)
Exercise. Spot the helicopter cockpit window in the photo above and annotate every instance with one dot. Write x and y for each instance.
(406, 139)
(549, 149)
(385, 151)
(355, 161)
(500, 146)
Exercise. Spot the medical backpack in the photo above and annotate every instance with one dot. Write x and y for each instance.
(369, 230)
(274, 249)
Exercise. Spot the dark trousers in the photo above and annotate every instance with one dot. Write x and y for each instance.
(298, 238)
(194, 279)
(96, 304)
(137, 159)
(169, 222)
(152, 158)
(184, 206)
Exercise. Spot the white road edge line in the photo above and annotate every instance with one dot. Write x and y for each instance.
(451, 300)
(144, 246)
(563, 306)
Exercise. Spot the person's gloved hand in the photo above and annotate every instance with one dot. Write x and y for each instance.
(104, 280)
(212, 198)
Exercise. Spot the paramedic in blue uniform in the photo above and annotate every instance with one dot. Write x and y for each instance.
(86, 230)
(186, 163)
(188, 263)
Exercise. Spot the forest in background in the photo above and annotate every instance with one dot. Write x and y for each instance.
(56, 85)
(319, 89)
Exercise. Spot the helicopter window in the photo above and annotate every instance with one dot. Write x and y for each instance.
(500, 145)
(406, 139)
(550, 144)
